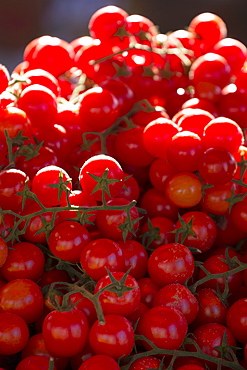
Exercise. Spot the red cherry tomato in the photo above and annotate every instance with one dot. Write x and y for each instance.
(14, 333)
(160, 324)
(115, 338)
(65, 333)
(111, 303)
(171, 263)
(100, 254)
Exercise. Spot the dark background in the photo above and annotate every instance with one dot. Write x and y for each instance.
(23, 20)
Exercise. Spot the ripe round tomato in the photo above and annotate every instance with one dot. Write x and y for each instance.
(115, 338)
(211, 308)
(157, 136)
(130, 148)
(185, 151)
(208, 336)
(43, 185)
(25, 260)
(171, 263)
(40, 105)
(166, 327)
(36, 346)
(98, 108)
(144, 363)
(32, 232)
(236, 319)
(34, 362)
(215, 265)
(65, 333)
(160, 230)
(224, 133)
(97, 166)
(99, 362)
(50, 53)
(179, 297)
(184, 189)
(16, 180)
(109, 222)
(46, 157)
(106, 21)
(100, 254)
(209, 74)
(67, 240)
(22, 297)
(217, 166)
(209, 27)
(202, 233)
(111, 303)
(14, 333)
(157, 204)
(136, 257)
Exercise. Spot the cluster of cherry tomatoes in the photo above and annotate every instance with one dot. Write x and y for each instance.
(123, 219)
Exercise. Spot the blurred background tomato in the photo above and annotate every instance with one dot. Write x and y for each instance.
(22, 21)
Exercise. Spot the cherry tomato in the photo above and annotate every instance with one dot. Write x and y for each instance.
(130, 150)
(65, 333)
(208, 336)
(36, 346)
(236, 319)
(202, 233)
(67, 240)
(25, 260)
(146, 362)
(85, 305)
(52, 54)
(160, 324)
(109, 222)
(171, 263)
(136, 257)
(179, 297)
(217, 166)
(157, 136)
(97, 166)
(51, 175)
(115, 338)
(184, 190)
(111, 303)
(211, 308)
(185, 151)
(215, 265)
(100, 254)
(38, 362)
(40, 105)
(14, 333)
(224, 133)
(100, 362)
(209, 27)
(98, 108)
(12, 181)
(22, 297)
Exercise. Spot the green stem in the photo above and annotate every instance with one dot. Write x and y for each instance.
(179, 353)
(241, 267)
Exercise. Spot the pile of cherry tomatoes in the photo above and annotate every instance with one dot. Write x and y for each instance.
(123, 218)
